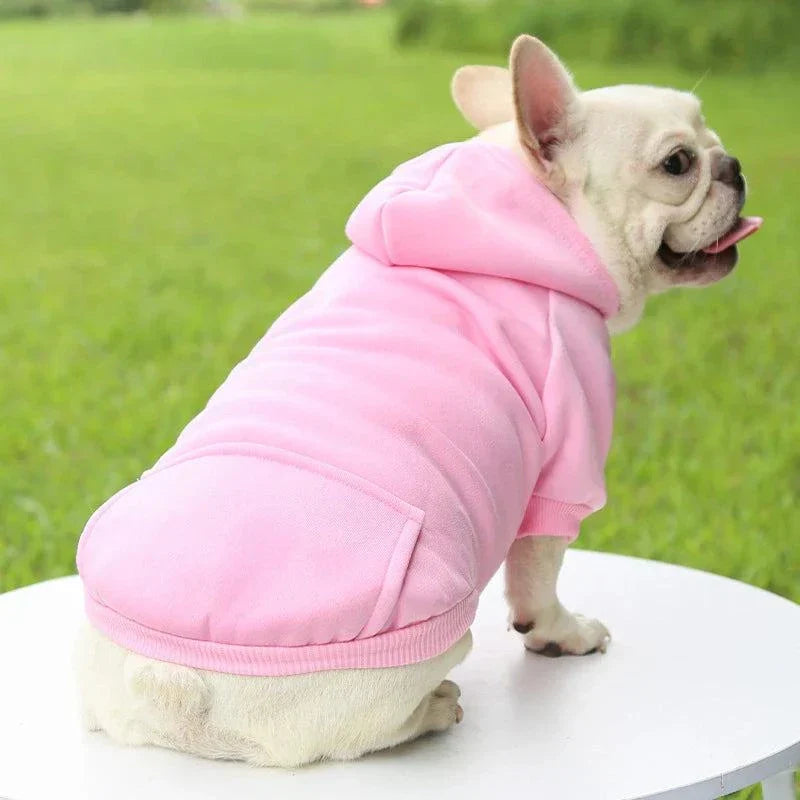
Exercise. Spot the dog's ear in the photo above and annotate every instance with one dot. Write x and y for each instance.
(483, 95)
(545, 98)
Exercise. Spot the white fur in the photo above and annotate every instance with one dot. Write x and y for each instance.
(267, 721)
(600, 152)
(481, 95)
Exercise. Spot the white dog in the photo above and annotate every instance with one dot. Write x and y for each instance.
(653, 198)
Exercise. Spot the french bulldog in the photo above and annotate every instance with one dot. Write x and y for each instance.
(627, 182)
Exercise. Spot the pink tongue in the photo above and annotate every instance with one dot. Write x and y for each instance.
(743, 229)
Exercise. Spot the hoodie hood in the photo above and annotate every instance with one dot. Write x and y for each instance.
(474, 207)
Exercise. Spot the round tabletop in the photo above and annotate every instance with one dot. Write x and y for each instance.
(697, 696)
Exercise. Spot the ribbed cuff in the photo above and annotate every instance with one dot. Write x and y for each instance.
(546, 517)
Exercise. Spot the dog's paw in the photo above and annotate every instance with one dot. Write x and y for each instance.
(556, 632)
(443, 709)
(447, 689)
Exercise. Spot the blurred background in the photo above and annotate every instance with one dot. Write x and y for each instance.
(173, 173)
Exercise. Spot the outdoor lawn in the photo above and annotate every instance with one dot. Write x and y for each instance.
(168, 187)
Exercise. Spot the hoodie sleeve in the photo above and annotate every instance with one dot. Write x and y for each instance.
(578, 399)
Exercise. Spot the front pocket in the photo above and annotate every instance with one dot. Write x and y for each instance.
(253, 546)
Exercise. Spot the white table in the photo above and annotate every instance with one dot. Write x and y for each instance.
(698, 695)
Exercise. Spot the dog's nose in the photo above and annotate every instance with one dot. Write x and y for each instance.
(729, 171)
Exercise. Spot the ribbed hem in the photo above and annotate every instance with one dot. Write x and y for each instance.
(407, 645)
(546, 517)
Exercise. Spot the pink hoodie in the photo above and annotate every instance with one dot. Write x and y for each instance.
(356, 481)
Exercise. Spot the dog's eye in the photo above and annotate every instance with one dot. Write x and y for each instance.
(678, 162)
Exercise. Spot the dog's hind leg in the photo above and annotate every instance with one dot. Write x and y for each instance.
(272, 721)
(438, 711)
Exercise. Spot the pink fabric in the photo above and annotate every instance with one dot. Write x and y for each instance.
(359, 477)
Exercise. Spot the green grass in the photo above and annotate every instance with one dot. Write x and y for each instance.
(167, 188)
(740, 35)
